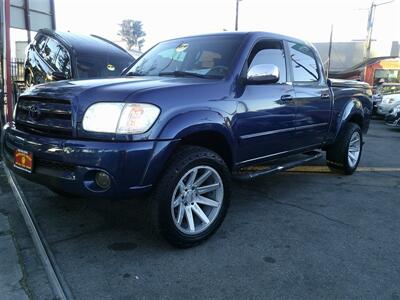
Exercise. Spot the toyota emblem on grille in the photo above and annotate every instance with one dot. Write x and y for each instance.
(34, 112)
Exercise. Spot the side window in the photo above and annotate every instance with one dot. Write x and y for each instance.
(50, 52)
(62, 62)
(269, 52)
(40, 43)
(303, 62)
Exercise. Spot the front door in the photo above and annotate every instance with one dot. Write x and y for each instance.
(264, 122)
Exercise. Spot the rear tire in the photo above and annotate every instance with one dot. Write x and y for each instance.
(344, 155)
(191, 199)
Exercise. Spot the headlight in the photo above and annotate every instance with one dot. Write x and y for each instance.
(109, 117)
(395, 110)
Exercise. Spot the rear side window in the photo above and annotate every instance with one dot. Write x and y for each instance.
(304, 63)
(62, 61)
(269, 52)
(40, 43)
(50, 51)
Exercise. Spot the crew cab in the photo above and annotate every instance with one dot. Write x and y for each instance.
(187, 117)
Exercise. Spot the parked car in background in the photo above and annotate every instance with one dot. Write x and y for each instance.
(55, 55)
(393, 117)
(186, 117)
(376, 100)
(390, 97)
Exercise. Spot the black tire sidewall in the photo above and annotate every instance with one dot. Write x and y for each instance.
(348, 169)
(166, 225)
(337, 155)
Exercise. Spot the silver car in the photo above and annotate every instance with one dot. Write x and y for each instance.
(390, 98)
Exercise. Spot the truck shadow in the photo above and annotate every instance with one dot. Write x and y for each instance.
(126, 223)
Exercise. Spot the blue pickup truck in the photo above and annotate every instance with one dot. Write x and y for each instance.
(185, 119)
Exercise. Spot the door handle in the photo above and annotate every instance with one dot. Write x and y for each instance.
(287, 97)
(326, 96)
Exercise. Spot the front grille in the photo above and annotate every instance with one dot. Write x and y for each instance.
(51, 117)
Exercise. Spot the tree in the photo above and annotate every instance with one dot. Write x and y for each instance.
(132, 32)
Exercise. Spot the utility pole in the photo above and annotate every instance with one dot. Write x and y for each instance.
(370, 26)
(7, 26)
(2, 63)
(237, 15)
(329, 53)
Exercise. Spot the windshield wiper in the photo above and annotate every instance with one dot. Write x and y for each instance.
(188, 74)
(134, 74)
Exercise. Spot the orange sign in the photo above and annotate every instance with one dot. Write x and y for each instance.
(23, 160)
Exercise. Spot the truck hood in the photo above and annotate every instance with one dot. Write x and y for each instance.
(172, 95)
(115, 89)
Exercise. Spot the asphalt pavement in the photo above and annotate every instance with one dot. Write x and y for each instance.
(309, 234)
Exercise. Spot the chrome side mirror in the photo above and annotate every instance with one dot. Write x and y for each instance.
(264, 73)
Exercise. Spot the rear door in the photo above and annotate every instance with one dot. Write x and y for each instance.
(313, 98)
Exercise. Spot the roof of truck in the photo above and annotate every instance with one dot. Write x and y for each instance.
(86, 44)
(247, 33)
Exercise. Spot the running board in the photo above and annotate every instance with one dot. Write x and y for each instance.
(248, 175)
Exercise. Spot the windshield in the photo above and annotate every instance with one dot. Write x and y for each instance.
(204, 57)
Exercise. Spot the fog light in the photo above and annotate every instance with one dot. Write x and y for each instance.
(103, 180)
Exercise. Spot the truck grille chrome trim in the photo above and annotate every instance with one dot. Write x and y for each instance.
(50, 117)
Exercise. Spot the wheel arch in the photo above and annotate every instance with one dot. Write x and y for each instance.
(208, 129)
(353, 112)
(28, 70)
(212, 140)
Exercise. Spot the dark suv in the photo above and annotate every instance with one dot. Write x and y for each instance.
(55, 55)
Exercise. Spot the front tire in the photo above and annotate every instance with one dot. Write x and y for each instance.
(28, 79)
(192, 197)
(344, 155)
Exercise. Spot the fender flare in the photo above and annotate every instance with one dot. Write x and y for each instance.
(28, 69)
(179, 127)
(353, 108)
(185, 124)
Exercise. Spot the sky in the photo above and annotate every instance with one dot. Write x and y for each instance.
(163, 19)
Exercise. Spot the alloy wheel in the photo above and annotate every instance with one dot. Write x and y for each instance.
(197, 200)
(353, 153)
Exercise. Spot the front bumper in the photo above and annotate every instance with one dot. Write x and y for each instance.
(71, 165)
(376, 103)
(393, 120)
(383, 111)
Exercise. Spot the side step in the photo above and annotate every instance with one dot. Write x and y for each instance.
(245, 175)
